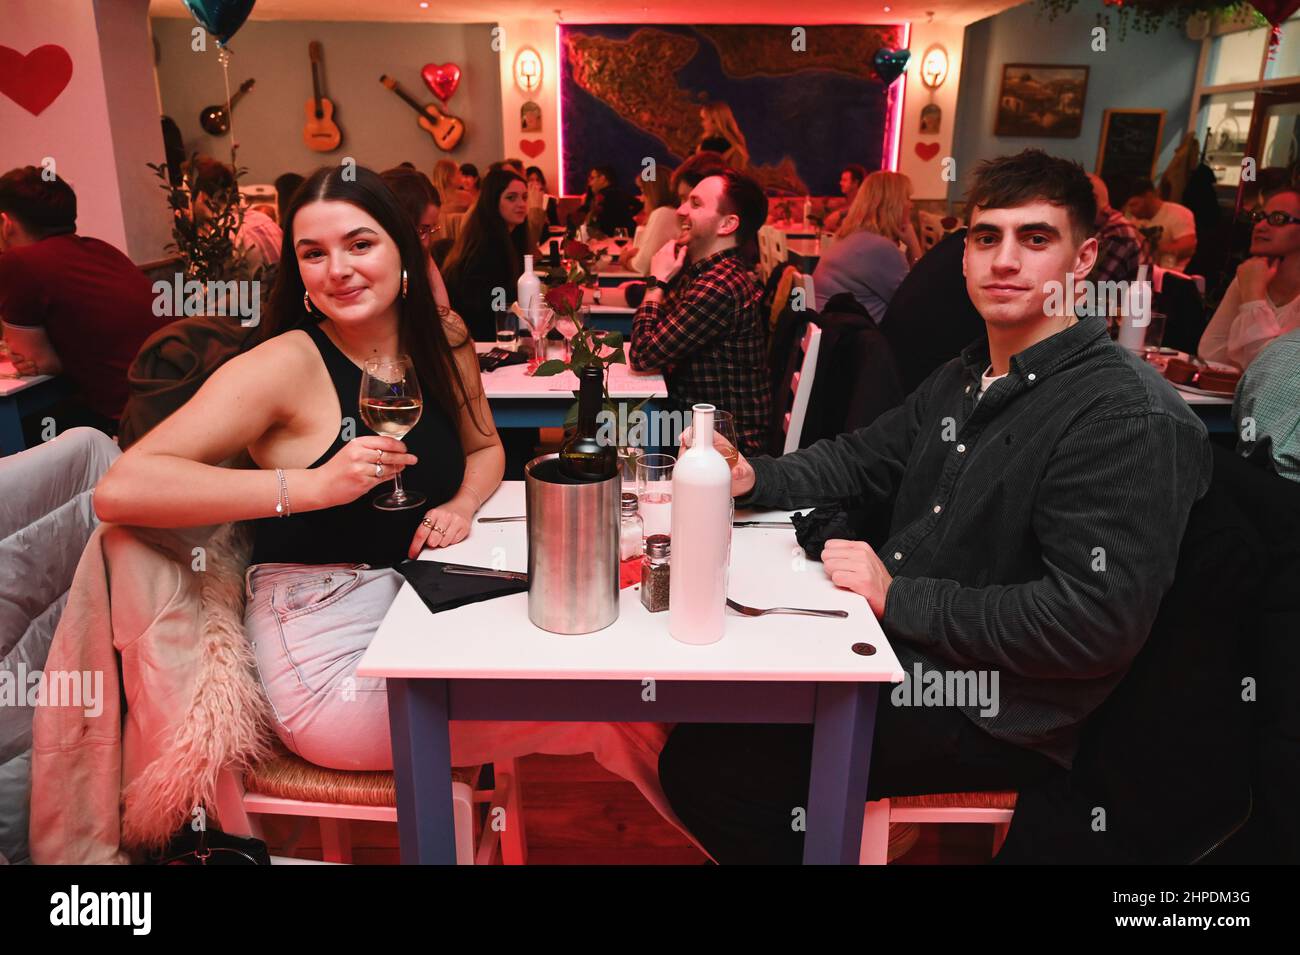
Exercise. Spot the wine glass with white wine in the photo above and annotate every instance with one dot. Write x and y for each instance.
(390, 405)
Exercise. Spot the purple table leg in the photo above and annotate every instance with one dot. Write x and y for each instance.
(843, 730)
(417, 718)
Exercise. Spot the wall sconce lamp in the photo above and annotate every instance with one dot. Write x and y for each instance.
(528, 69)
(934, 67)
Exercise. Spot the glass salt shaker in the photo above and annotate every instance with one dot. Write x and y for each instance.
(654, 573)
(631, 527)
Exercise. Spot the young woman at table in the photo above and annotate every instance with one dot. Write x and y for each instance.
(867, 258)
(661, 224)
(1263, 300)
(352, 285)
(537, 186)
(489, 252)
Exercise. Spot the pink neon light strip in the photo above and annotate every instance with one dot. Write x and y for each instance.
(894, 129)
(559, 109)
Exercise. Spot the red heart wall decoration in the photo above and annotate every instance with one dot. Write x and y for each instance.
(34, 81)
(532, 148)
(441, 78)
(927, 151)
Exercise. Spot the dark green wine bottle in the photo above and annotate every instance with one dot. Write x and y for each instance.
(583, 457)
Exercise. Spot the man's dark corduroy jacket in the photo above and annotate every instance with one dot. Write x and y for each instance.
(1034, 532)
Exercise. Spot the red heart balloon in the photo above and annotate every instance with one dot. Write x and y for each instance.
(927, 151)
(532, 148)
(34, 81)
(1276, 11)
(441, 78)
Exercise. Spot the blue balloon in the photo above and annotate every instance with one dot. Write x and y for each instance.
(888, 64)
(221, 18)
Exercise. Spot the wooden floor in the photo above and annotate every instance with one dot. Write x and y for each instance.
(577, 813)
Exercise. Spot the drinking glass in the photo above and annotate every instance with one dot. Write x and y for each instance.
(654, 486)
(391, 403)
(628, 459)
(539, 319)
(567, 324)
(507, 330)
(724, 436)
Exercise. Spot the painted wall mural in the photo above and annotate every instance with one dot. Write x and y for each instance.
(806, 103)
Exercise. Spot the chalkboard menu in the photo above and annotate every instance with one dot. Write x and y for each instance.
(1130, 142)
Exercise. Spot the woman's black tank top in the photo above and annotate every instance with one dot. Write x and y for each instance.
(357, 532)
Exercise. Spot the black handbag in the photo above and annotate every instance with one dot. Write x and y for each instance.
(206, 846)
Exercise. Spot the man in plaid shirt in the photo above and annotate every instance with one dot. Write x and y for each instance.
(1120, 247)
(708, 334)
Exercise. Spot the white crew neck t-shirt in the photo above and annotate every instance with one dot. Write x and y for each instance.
(987, 379)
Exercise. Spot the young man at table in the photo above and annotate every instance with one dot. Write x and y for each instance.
(851, 178)
(1039, 486)
(71, 305)
(707, 332)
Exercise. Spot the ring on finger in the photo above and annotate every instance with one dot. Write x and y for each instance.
(379, 470)
(380, 458)
(427, 523)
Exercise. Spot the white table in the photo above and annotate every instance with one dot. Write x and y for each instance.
(1215, 411)
(488, 661)
(18, 397)
(520, 400)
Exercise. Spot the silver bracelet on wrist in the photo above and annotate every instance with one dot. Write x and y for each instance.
(282, 502)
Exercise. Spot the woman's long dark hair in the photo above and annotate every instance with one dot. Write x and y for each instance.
(421, 331)
(485, 233)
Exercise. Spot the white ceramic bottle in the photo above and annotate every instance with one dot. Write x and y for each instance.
(701, 537)
(528, 289)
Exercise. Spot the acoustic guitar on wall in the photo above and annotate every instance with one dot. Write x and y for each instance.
(320, 132)
(445, 129)
(215, 119)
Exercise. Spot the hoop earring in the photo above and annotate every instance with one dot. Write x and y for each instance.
(306, 302)
(403, 283)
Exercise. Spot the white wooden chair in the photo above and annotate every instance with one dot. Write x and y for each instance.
(288, 785)
(801, 382)
(987, 808)
(765, 252)
(779, 247)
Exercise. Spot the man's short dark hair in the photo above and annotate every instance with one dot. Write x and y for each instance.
(211, 177)
(859, 173)
(605, 170)
(699, 167)
(42, 207)
(1009, 181)
(744, 197)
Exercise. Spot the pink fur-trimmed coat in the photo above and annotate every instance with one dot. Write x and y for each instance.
(160, 615)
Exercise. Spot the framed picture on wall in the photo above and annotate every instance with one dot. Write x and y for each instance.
(1039, 99)
(1130, 143)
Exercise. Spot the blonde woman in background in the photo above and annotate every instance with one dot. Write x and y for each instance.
(722, 135)
(446, 179)
(661, 224)
(874, 248)
(883, 205)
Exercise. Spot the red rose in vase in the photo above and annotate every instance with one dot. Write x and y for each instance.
(573, 249)
(565, 299)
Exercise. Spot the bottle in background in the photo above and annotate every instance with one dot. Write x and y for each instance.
(701, 535)
(582, 456)
(528, 289)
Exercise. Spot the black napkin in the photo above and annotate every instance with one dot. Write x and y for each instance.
(814, 529)
(441, 591)
(515, 358)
